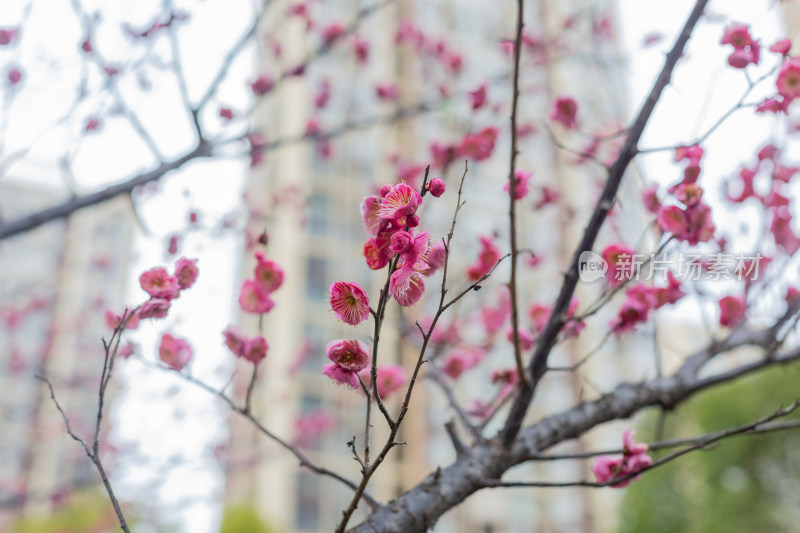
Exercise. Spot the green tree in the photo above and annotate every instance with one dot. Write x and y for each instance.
(747, 484)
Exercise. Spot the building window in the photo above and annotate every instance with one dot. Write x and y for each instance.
(316, 280)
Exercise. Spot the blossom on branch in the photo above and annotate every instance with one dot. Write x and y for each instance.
(349, 302)
(634, 458)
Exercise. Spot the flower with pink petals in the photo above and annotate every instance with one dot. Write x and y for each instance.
(268, 273)
(361, 49)
(186, 272)
(386, 91)
(349, 302)
(478, 146)
(175, 352)
(262, 85)
(781, 47)
(520, 184)
(332, 32)
(254, 298)
(457, 363)
(349, 357)
(788, 80)
(738, 36)
(370, 215)
(564, 111)
(401, 201)
(235, 340)
(376, 252)
(154, 308)
(436, 257)
(487, 258)
(390, 378)
(731, 310)
(634, 459)
(159, 284)
(620, 263)
(525, 337)
(478, 97)
(255, 349)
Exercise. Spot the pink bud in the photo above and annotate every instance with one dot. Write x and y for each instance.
(436, 187)
(14, 76)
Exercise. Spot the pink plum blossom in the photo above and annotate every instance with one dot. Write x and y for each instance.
(254, 298)
(255, 349)
(486, 260)
(620, 261)
(349, 302)
(520, 184)
(400, 201)
(478, 146)
(262, 85)
(235, 340)
(186, 272)
(154, 308)
(564, 111)
(158, 283)
(478, 97)
(788, 80)
(268, 273)
(634, 459)
(348, 358)
(731, 310)
(175, 352)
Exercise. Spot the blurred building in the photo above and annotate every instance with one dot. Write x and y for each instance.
(55, 283)
(308, 204)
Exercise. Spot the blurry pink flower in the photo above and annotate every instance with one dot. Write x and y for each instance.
(6, 36)
(436, 257)
(235, 340)
(549, 196)
(268, 273)
(386, 91)
(781, 47)
(564, 111)
(788, 80)
(255, 349)
(390, 378)
(332, 32)
(634, 459)
(370, 208)
(737, 35)
(349, 302)
(436, 187)
(520, 184)
(401, 201)
(457, 363)
(442, 154)
(186, 272)
(154, 308)
(159, 284)
(92, 124)
(632, 312)
(487, 258)
(669, 294)
(526, 338)
(322, 95)
(308, 427)
(478, 97)
(731, 310)
(361, 49)
(14, 76)
(126, 350)
(478, 146)
(262, 85)
(620, 261)
(226, 113)
(650, 198)
(174, 352)
(254, 298)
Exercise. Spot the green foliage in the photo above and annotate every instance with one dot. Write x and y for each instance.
(243, 519)
(745, 483)
(85, 512)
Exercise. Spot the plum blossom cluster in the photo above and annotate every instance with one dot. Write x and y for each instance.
(746, 50)
(768, 182)
(163, 288)
(255, 294)
(690, 222)
(251, 349)
(634, 459)
(390, 221)
(641, 299)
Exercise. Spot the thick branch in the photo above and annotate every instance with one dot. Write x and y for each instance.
(547, 340)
